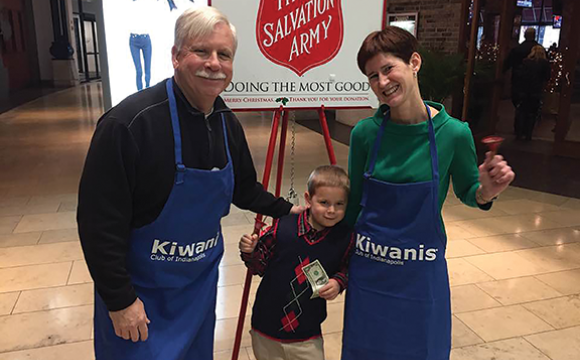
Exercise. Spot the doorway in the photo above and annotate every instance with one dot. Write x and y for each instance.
(500, 26)
(87, 47)
(567, 131)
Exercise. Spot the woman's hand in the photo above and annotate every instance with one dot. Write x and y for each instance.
(495, 175)
(330, 291)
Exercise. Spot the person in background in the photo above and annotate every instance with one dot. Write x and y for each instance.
(535, 73)
(514, 61)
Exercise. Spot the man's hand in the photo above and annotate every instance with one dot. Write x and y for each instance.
(495, 175)
(131, 322)
(330, 291)
(248, 243)
(298, 209)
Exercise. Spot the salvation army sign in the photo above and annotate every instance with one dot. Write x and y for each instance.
(304, 50)
(300, 34)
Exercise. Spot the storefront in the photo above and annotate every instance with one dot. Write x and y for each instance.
(485, 102)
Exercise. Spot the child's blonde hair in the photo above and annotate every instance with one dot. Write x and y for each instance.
(328, 175)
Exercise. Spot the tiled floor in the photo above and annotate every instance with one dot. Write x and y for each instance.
(515, 271)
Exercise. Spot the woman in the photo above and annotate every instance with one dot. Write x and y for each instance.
(534, 73)
(400, 164)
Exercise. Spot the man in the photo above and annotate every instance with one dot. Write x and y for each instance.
(162, 170)
(514, 61)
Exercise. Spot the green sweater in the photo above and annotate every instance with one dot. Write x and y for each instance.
(404, 157)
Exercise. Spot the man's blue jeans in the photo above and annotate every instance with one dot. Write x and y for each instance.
(138, 43)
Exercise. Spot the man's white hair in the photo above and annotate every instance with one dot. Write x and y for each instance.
(198, 22)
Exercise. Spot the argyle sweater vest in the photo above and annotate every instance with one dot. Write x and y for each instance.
(283, 309)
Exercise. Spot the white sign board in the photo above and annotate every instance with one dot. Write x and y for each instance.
(406, 21)
(139, 37)
(304, 50)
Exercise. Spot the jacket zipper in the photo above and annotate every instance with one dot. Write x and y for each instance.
(209, 138)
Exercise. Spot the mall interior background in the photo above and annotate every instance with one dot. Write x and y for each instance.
(515, 272)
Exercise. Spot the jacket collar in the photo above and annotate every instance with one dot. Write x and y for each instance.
(304, 227)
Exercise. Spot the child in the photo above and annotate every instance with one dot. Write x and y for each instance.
(285, 321)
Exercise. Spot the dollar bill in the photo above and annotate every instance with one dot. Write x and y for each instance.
(316, 276)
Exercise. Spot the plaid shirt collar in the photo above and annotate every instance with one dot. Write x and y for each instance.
(305, 229)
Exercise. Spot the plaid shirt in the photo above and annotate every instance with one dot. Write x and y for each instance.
(258, 260)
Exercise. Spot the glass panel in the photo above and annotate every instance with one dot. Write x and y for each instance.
(573, 133)
(547, 35)
(482, 83)
(540, 11)
(90, 46)
(541, 17)
(96, 38)
(79, 49)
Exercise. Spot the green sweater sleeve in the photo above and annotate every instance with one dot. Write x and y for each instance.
(357, 159)
(463, 168)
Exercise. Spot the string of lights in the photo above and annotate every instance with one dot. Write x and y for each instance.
(556, 65)
(487, 52)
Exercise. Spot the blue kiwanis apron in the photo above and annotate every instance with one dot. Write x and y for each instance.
(173, 263)
(397, 303)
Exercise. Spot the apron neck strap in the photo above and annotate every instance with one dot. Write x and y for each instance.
(433, 149)
(175, 125)
(180, 167)
(432, 145)
(226, 141)
(378, 140)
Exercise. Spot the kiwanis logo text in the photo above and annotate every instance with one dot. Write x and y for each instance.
(172, 251)
(392, 255)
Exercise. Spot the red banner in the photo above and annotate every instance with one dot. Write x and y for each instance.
(300, 34)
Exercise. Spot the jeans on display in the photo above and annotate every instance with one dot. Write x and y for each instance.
(172, 5)
(141, 43)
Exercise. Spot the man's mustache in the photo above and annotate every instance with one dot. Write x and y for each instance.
(213, 76)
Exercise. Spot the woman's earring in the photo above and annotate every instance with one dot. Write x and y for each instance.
(414, 74)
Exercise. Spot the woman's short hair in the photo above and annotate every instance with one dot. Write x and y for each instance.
(198, 22)
(328, 175)
(391, 40)
(537, 52)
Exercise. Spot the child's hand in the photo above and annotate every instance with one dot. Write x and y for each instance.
(330, 291)
(248, 243)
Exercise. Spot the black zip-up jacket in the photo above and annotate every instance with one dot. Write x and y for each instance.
(129, 173)
(515, 59)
